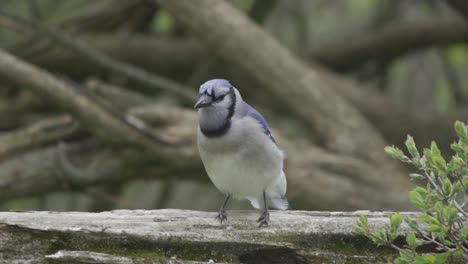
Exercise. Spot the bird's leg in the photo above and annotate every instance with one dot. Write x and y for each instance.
(265, 217)
(222, 212)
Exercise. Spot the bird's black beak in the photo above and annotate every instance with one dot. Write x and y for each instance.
(203, 101)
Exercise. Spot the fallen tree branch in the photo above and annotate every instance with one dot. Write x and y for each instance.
(37, 135)
(459, 5)
(94, 118)
(396, 121)
(164, 235)
(102, 59)
(391, 42)
(172, 57)
(52, 169)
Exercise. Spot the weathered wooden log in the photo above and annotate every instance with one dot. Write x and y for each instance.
(182, 236)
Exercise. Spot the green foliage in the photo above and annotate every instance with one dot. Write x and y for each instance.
(361, 6)
(442, 201)
(458, 55)
(163, 21)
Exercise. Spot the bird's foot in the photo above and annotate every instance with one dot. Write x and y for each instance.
(222, 216)
(264, 219)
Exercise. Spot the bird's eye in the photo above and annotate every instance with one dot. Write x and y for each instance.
(220, 98)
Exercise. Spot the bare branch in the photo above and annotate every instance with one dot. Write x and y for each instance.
(460, 5)
(102, 59)
(391, 42)
(102, 123)
(37, 135)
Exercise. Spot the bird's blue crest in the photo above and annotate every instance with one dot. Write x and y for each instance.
(209, 86)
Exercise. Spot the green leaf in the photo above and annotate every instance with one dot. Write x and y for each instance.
(464, 233)
(407, 254)
(440, 165)
(362, 226)
(416, 176)
(422, 191)
(396, 153)
(410, 222)
(440, 258)
(411, 146)
(359, 230)
(363, 220)
(412, 241)
(428, 155)
(395, 220)
(382, 235)
(458, 253)
(451, 214)
(454, 165)
(462, 131)
(429, 219)
(435, 149)
(400, 261)
(457, 187)
(447, 187)
(434, 228)
(458, 148)
(425, 259)
(417, 199)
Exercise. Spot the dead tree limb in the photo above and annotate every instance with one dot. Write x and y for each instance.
(94, 118)
(102, 59)
(37, 135)
(181, 236)
(459, 5)
(391, 42)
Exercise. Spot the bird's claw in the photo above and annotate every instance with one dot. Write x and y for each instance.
(221, 216)
(264, 219)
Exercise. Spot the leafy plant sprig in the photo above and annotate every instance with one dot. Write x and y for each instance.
(443, 203)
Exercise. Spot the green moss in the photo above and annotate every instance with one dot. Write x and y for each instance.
(150, 250)
(333, 248)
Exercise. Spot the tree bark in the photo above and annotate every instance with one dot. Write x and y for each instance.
(180, 235)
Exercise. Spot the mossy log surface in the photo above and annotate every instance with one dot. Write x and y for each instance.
(183, 236)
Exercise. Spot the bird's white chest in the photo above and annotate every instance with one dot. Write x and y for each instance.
(243, 162)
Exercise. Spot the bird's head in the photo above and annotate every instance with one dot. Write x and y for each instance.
(217, 94)
(216, 105)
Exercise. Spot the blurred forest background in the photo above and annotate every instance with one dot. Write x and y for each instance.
(96, 96)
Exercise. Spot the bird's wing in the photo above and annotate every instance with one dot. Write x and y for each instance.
(257, 116)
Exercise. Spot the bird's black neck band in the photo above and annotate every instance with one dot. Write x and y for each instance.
(226, 125)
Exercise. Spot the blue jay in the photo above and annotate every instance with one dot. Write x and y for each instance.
(238, 150)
